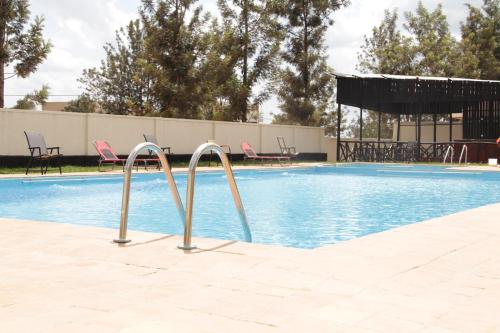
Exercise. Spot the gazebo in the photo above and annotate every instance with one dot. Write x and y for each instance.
(477, 100)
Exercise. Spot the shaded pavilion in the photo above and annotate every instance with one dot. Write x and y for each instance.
(477, 100)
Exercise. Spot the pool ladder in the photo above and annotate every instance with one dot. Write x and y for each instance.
(186, 216)
(450, 149)
(465, 150)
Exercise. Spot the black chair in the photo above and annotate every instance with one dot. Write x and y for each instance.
(40, 152)
(151, 138)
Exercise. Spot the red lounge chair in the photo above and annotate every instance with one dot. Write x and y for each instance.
(107, 155)
(250, 154)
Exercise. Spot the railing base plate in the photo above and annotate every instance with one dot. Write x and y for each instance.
(122, 241)
(186, 248)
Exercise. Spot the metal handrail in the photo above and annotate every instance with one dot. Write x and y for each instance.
(126, 186)
(466, 150)
(450, 148)
(206, 147)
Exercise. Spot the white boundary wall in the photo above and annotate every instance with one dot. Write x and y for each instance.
(75, 132)
(407, 131)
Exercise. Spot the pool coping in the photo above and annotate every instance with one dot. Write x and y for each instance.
(240, 167)
(440, 275)
(174, 171)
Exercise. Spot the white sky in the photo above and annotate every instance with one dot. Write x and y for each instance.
(79, 29)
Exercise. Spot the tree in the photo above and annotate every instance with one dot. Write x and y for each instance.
(176, 47)
(252, 30)
(30, 101)
(480, 44)
(436, 51)
(83, 104)
(387, 50)
(21, 47)
(304, 86)
(121, 85)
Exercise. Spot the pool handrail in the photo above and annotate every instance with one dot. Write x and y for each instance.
(126, 186)
(193, 163)
(450, 148)
(466, 150)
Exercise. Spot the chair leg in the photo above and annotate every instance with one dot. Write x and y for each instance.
(41, 166)
(59, 164)
(47, 165)
(29, 165)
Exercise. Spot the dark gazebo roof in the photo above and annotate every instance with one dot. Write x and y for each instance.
(398, 94)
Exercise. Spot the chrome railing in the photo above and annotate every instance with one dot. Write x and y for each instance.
(126, 186)
(450, 149)
(465, 150)
(204, 148)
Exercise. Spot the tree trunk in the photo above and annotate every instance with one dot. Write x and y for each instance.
(2, 84)
(2, 66)
(244, 107)
(306, 50)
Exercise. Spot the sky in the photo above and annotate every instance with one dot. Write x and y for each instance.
(79, 29)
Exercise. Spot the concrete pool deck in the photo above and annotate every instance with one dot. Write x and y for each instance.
(442, 275)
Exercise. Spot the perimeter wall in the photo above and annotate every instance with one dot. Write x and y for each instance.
(75, 132)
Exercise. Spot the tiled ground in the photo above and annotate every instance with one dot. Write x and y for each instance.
(437, 276)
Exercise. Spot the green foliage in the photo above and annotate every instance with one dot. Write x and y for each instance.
(387, 50)
(436, 49)
(83, 104)
(176, 49)
(21, 46)
(480, 44)
(30, 101)
(252, 38)
(121, 84)
(304, 87)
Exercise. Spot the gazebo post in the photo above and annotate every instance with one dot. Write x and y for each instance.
(451, 127)
(339, 119)
(378, 129)
(434, 119)
(419, 133)
(398, 132)
(360, 124)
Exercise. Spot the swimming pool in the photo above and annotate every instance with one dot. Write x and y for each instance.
(305, 207)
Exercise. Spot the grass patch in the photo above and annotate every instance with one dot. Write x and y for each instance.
(77, 168)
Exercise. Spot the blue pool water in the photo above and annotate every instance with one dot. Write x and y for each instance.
(305, 208)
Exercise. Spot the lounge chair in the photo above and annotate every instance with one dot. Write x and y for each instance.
(108, 156)
(166, 150)
(39, 151)
(286, 150)
(250, 154)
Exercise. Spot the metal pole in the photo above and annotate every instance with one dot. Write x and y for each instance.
(419, 136)
(360, 124)
(451, 127)
(434, 119)
(378, 129)
(126, 186)
(206, 147)
(398, 136)
(339, 120)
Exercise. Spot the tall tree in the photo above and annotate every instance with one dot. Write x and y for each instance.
(305, 86)
(176, 47)
(387, 50)
(255, 40)
(480, 44)
(436, 49)
(121, 85)
(21, 46)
